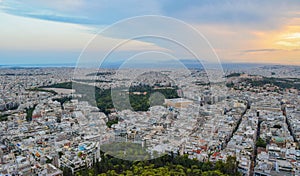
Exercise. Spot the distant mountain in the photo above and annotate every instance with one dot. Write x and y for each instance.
(188, 63)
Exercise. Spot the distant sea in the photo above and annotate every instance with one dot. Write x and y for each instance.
(37, 65)
(191, 64)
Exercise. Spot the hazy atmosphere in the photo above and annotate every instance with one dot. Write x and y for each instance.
(55, 32)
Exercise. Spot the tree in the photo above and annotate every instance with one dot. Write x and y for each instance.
(207, 166)
(29, 112)
(261, 143)
(231, 166)
(220, 165)
(277, 126)
(213, 173)
(67, 171)
(165, 165)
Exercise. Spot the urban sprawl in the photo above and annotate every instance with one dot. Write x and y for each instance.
(47, 125)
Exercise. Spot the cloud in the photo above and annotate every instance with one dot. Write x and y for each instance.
(261, 50)
(255, 13)
(26, 10)
(258, 14)
(65, 5)
(293, 36)
(247, 28)
(40, 35)
(96, 12)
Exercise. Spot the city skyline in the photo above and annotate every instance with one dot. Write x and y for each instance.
(160, 87)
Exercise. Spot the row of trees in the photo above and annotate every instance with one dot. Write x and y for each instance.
(103, 97)
(62, 100)
(4, 117)
(142, 102)
(165, 165)
(138, 102)
(36, 89)
(29, 112)
(282, 83)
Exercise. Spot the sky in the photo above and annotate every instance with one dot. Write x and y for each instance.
(58, 31)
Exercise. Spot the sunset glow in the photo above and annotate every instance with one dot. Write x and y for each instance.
(239, 32)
